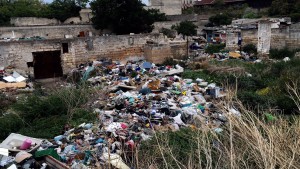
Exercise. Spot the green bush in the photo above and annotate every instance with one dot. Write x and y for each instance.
(281, 53)
(168, 32)
(5, 102)
(8, 124)
(214, 48)
(44, 116)
(220, 19)
(295, 17)
(250, 48)
(35, 107)
(45, 127)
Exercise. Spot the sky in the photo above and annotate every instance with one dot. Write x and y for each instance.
(144, 1)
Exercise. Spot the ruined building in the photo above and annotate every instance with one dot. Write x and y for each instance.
(47, 48)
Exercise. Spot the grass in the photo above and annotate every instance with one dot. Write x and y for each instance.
(44, 115)
(248, 141)
(272, 75)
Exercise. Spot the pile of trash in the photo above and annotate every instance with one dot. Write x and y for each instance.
(140, 99)
(9, 78)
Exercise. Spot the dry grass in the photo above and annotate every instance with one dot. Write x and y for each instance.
(247, 141)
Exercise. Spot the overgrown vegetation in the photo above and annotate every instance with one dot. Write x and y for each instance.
(59, 9)
(220, 19)
(282, 53)
(289, 8)
(250, 49)
(45, 116)
(214, 48)
(186, 28)
(260, 85)
(248, 141)
(168, 32)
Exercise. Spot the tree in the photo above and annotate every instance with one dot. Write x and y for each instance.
(279, 7)
(219, 3)
(186, 28)
(123, 16)
(62, 9)
(220, 19)
(20, 8)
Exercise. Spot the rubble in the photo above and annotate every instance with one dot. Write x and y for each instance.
(140, 99)
(9, 78)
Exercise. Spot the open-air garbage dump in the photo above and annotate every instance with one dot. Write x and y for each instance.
(140, 99)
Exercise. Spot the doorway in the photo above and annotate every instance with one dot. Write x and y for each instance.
(47, 64)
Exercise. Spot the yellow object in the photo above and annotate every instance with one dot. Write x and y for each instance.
(263, 92)
(234, 55)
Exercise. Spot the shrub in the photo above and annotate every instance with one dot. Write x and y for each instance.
(187, 28)
(45, 116)
(281, 53)
(220, 19)
(168, 32)
(8, 124)
(5, 102)
(214, 48)
(250, 48)
(295, 17)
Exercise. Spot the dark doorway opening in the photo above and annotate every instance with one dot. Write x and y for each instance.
(47, 64)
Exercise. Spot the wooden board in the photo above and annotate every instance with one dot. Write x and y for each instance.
(12, 85)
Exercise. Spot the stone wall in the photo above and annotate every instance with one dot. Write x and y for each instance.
(48, 32)
(288, 36)
(33, 21)
(154, 47)
(157, 53)
(165, 24)
(179, 49)
(264, 37)
(169, 7)
(18, 53)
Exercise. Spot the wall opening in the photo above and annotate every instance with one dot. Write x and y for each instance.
(65, 47)
(47, 64)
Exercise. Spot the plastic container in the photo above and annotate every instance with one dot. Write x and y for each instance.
(26, 144)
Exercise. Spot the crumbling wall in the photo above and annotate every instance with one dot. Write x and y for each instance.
(17, 54)
(165, 24)
(264, 37)
(157, 53)
(179, 49)
(48, 32)
(231, 40)
(33, 21)
(154, 47)
(169, 7)
(115, 47)
(249, 36)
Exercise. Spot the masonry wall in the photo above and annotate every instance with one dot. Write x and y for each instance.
(280, 38)
(154, 47)
(157, 53)
(179, 50)
(169, 7)
(33, 21)
(17, 54)
(48, 32)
